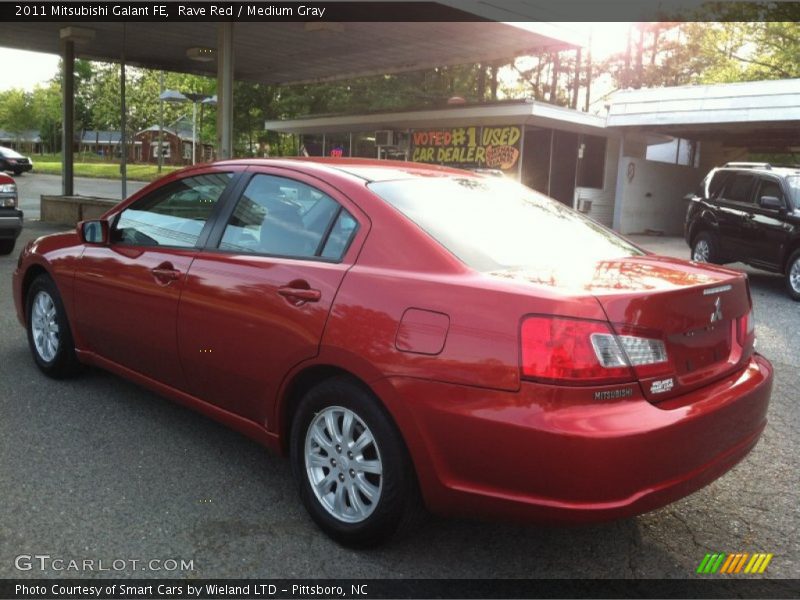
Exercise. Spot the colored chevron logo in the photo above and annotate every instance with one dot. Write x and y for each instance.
(722, 563)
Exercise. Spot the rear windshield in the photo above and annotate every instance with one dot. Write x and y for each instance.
(9, 153)
(794, 190)
(493, 224)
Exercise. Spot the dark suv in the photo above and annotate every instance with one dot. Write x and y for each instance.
(750, 213)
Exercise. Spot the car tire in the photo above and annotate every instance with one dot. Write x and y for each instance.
(338, 471)
(6, 247)
(49, 336)
(704, 248)
(793, 276)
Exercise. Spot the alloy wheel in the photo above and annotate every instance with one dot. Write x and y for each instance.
(44, 326)
(343, 464)
(794, 275)
(701, 251)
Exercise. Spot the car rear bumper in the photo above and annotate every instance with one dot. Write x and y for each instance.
(552, 454)
(10, 223)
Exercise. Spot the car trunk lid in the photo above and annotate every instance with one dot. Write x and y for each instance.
(700, 313)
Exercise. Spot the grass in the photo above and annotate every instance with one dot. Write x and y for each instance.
(91, 165)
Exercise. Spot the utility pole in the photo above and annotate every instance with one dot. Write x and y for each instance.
(160, 123)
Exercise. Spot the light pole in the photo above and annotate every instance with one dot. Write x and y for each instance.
(175, 96)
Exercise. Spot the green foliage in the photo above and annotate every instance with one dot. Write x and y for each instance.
(664, 54)
(738, 42)
(15, 111)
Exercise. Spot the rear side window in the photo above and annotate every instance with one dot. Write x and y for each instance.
(173, 215)
(713, 183)
(738, 188)
(283, 217)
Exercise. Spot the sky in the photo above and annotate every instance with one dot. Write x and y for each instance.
(22, 69)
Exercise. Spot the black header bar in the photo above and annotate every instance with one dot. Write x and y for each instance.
(388, 11)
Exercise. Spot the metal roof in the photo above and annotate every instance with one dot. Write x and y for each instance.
(27, 136)
(505, 113)
(759, 115)
(746, 102)
(290, 52)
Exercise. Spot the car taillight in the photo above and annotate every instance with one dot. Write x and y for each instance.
(746, 328)
(580, 352)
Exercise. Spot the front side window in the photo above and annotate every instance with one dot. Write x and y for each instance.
(769, 187)
(283, 217)
(794, 190)
(173, 215)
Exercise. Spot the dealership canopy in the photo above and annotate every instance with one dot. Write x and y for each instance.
(275, 52)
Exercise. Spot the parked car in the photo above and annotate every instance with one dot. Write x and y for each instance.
(10, 216)
(11, 160)
(750, 213)
(408, 332)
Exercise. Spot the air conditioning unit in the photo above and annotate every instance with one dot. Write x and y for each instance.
(584, 205)
(385, 137)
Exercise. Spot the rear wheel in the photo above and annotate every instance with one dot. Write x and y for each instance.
(351, 466)
(6, 246)
(704, 248)
(793, 276)
(49, 335)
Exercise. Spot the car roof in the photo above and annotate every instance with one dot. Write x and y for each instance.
(781, 171)
(368, 169)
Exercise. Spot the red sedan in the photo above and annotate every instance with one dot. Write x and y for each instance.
(411, 335)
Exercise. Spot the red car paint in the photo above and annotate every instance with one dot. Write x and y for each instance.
(440, 345)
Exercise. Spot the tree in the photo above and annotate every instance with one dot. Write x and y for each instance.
(16, 114)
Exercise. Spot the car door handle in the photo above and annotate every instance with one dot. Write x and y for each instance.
(165, 273)
(300, 295)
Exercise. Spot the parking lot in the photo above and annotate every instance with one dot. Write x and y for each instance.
(98, 468)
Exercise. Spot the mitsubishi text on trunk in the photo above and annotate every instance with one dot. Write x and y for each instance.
(411, 336)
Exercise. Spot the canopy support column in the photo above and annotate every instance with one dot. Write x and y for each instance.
(225, 91)
(67, 117)
(123, 118)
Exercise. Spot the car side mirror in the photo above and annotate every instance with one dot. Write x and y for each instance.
(771, 202)
(93, 232)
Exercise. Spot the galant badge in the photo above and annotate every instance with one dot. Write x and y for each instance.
(717, 314)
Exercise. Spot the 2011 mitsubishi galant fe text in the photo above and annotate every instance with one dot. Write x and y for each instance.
(411, 336)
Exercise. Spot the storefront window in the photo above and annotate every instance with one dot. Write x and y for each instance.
(593, 163)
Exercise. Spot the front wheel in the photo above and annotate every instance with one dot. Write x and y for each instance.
(793, 276)
(6, 246)
(49, 335)
(351, 465)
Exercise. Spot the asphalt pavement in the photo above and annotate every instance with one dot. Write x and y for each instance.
(31, 186)
(98, 468)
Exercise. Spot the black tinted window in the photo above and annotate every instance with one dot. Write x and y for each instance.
(715, 182)
(794, 190)
(770, 187)
(280, 217)
(738, 188)
(173, 215)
